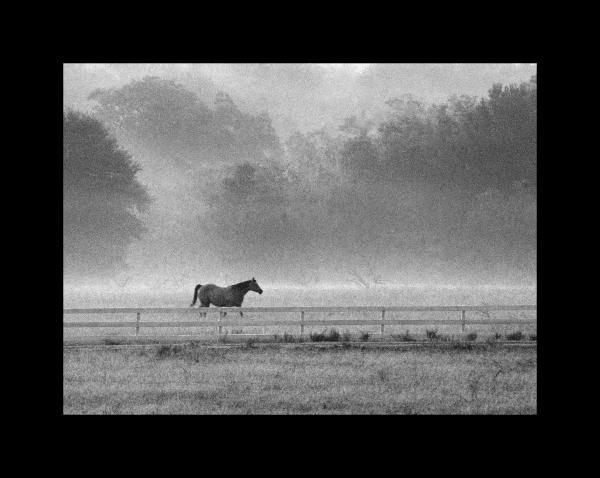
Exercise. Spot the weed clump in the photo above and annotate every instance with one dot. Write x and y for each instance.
(408, 338)
(111, 341)
(166, 351)
(405, 337)
(364, 336)
(461, 346)
(288, 338)
(332, 336)
(471, 337)
(432, 334)
(491, 340)
(518, 335)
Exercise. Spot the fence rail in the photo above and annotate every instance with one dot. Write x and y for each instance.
(376, 308)
(224, 322)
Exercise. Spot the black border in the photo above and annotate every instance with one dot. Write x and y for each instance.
(50, 221)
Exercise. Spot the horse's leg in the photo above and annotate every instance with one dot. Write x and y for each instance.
(241, 314)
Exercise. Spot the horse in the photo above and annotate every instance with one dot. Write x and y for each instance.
(231, 296)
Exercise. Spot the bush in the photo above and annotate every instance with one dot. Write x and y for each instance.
(364, 336)
(317, 337)
(166, 351)
(471, 337)
(533, 337)
(405, 337)
(432, 334)
(288, 338)
(518, 335)
(111, 341)
(332, 336)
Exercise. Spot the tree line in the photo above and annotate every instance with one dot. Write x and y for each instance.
(448, 181)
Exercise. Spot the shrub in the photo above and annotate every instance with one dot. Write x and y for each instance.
(288, 338)
(409, 338)
(165, 351)
(317, 337)
(364, 336)
(111, 341)
(533, 337)
(471, 337)
(406, 337)
(432, 334)
(518, 335)
(332, 336)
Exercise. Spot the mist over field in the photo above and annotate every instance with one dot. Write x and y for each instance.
(365, 178)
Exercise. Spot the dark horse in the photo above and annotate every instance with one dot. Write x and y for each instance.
(231, 296)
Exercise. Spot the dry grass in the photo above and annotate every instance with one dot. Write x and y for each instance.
(187, 379)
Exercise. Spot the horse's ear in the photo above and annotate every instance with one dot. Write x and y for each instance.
(254, 279)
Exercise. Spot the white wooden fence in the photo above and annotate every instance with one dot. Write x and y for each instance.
(222, 321)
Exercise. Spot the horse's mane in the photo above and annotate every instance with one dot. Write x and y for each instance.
(241, 285)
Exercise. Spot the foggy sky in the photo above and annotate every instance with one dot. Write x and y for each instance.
(302, 96)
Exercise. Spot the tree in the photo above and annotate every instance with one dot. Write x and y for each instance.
(498, 136)
(102, 198)
(360, 158)
(185, 132)
(159, 114)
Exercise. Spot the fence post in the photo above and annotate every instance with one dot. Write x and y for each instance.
(382, 318)
(463, 320)
(301, 323)
(219, 327)
(137, 324)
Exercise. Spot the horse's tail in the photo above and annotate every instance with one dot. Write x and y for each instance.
(196, 294)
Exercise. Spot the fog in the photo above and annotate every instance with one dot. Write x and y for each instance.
(302, 96)
(359, 177)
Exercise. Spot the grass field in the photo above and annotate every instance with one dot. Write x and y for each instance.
(294, 379)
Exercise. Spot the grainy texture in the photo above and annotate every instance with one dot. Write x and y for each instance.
(186, 379)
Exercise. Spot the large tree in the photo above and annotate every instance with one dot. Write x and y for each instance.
(102, 198)
(186, 133)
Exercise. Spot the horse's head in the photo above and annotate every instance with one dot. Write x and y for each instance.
(253, 286)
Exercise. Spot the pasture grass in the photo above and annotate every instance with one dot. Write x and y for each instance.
(442, 378)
